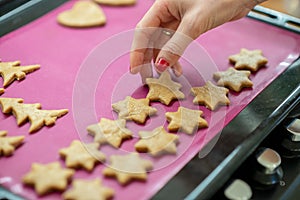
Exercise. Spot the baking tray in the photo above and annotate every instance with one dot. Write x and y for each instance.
(237, 140)
(17, 13)
(276, 18)
(44, 42)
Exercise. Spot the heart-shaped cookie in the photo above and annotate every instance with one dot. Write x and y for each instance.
(83, 14)
(116, 2)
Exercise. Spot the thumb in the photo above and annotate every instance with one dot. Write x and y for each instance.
(173, 49)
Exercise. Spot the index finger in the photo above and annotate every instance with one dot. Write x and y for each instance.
(144, 33)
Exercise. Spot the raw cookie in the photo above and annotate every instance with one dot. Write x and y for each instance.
(48, 177)
(128, 167)
(116, 2)
(157, 142)
(164, 89)
(110, 131)
(83, 14)
(1, 91)
(233, 79)
(8, 144)
(23, 112)
(247, 59)
(133, 109)
(186, 120)
(210, 95)
(82, 155)
(12, 70)
(88, 189)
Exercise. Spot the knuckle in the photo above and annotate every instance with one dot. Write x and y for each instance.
(173, 48)
(161, 4)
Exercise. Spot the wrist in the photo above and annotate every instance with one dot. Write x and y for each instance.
(251, 3)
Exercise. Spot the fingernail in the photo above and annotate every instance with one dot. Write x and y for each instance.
(162, 65)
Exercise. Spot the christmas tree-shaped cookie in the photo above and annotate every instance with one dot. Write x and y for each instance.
(9, 144)
(12, 70)
(32, 112)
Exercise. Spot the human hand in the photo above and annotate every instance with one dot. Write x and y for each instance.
(170, 26)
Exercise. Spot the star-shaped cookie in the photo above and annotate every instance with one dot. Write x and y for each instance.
(164, 89)
(1, 91)
(82, 155)
(128, 167)
(110, 131)
(12, 70)
(186, 120)
(247, 59)
(88, 189)
(233, 79)
(48, 177)
(157, 142)
(9, 144)
(210, 95)
(133, 109)
(32, 112)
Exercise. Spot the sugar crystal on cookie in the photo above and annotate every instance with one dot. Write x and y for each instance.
(249, 60)
(210, 95)
(233, 79)
(164, 89)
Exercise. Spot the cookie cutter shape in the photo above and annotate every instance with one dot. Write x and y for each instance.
(48, 177)
(9, 144)
(133, 109)
(109, 131)
(186, 120)
(32, 112)
(210, 95)
(157, 142)
(82, 155)
(249, 60)
(164, 89)
(126, 168)
(88, 189)
(12, 70)
(233, 79)
(83, 14)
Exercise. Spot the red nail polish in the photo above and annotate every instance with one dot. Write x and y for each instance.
(162, 65)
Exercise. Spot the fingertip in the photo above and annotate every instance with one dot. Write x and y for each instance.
(177, 69)
(133, 70)
(161, 65)
(146, 72)
(136, 60)
(177, 73)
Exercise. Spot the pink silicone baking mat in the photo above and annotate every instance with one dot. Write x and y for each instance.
(86, 70)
